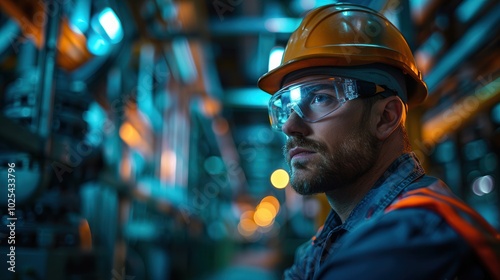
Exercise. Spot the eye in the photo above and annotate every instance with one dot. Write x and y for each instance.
(322, 100)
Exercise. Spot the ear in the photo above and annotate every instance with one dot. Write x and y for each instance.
(388, 115)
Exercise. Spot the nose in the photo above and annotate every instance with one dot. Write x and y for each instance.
(295, 126)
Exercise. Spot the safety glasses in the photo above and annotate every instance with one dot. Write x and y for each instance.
(315, 99)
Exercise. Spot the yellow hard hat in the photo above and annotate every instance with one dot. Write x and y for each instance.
(343, 35)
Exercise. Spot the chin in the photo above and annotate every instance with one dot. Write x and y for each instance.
(302, 190)
(308, 186)
(309, 182)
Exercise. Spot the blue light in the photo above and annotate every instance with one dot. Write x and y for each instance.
(282, 25)
(467, 9)
(111, 24)
(495, 114)
(106, 30)
(80, 16)
(275, 57)
(79, 25)
(214, 165)
(8, 33)
(246, 98)
(184, 60)
(319, 3)
(461, 50)
(97, 45)
(475, 150)
(434, 44)
(418, 5)
(94, 116)
(445, 152)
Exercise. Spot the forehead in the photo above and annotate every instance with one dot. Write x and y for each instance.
(303, 79)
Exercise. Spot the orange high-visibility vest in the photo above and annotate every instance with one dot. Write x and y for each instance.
(476, 231)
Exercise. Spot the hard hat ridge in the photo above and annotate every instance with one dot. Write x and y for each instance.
(347, 35)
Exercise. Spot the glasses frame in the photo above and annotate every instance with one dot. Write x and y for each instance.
(352, 89)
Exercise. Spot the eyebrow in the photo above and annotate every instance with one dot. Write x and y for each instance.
(323, 87)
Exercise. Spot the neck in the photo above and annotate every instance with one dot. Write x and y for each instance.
(343, 200)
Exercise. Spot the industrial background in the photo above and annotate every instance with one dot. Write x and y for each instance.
(141, 147)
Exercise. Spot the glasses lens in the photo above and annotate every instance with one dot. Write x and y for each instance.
(279, 110)
(312, 100)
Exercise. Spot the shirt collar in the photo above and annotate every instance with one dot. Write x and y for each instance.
(403, 171)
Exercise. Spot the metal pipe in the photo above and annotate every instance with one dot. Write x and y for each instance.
(472, 40)
(46, 74)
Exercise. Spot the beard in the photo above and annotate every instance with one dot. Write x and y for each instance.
(353, 157)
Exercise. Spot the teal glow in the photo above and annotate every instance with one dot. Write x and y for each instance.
(8, 33)
(319, 3)
(282, 25)
(418, 5)
(475, 150)
(468, 8)
(105, 31)
(97, 45)
(214, 165)
(184, 60)
(247, 98)
(79, 26)
(445, 152)
(142, 230)
(96, 120)
(80, 16)
(488, 163)
(461, 50)
(495, 114)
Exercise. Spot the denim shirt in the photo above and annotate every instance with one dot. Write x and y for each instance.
(403, 175)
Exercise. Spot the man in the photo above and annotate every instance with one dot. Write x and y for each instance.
(341, 95)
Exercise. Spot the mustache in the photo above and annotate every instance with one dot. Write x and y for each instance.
(304, 143)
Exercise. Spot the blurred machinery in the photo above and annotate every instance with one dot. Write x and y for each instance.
(113, 129)
(141, 147)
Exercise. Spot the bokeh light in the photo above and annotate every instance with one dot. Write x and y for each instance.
(280, 178)
(483, 185)
(214, 165)
(273, 200)
(269, 206)
(247, 227)
(263, 217)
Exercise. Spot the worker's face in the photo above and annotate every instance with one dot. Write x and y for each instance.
(331, 153)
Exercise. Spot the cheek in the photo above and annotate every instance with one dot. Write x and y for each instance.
(333, 135)
(333, 130)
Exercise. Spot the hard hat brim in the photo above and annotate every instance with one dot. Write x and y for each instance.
(272, 81)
